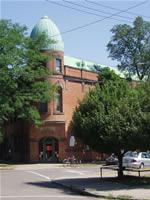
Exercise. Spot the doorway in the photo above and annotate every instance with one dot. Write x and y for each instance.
(48, 149)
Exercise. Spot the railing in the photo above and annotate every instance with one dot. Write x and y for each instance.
(115, 168)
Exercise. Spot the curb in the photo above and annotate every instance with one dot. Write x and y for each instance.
(86, 193)
(77, 190)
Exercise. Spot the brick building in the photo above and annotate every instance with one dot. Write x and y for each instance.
(74, 77)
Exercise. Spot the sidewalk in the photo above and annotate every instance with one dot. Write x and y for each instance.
(29, 166)
(103, 188)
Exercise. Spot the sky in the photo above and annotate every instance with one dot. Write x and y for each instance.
(88, 43)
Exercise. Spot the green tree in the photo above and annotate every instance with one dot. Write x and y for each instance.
(109, 119)
(144, 98)
(130, 45)
(23, 78)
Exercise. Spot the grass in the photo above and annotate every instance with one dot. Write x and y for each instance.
(118, 198)
(123, 197)
(132, 180)
(6, 166)
(147, 175)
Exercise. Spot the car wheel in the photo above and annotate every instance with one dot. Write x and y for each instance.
(141, 165)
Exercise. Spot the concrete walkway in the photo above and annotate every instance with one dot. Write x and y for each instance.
(104, 188)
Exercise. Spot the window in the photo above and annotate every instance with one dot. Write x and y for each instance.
(58, 100)
(58, 65)
(43, 108)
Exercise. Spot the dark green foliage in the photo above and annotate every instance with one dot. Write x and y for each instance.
(22, 74)
(131, 47)
(110, 118)
(144, 99)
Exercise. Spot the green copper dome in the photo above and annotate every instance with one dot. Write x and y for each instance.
(47, 26)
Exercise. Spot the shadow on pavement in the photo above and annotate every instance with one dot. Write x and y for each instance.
(108, 184)
(97, 184)
(52, 185)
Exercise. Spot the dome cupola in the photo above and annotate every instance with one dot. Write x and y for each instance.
(47, 26)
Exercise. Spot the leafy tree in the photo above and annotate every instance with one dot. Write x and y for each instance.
(130, 45)
(144, 98)
(109, 119)
(23, 80)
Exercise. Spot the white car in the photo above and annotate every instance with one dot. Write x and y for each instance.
(136, 159)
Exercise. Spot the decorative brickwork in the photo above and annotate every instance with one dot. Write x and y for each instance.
(75, 83)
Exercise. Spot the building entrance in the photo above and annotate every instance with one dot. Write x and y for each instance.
(48, 149)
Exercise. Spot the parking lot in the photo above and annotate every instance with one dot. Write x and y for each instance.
(38, 181)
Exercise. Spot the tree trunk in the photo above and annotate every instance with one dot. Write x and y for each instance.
(120, 170)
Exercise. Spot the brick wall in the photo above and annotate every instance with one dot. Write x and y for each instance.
(75, 84)
(47, 129)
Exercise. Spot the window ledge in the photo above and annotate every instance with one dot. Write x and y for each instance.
(57, 73)
(58, 113)
(45, 113)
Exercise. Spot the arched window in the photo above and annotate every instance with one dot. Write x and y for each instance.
(58, 65)
(58, 100)
(48, 149)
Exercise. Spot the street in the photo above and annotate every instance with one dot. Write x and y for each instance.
(36, 182)
(56, 181)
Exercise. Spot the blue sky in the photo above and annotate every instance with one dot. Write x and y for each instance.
(88, 43)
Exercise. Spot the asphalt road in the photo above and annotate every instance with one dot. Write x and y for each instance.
(36, 183)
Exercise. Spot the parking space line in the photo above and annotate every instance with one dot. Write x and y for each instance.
(76, 172)
(41, 175)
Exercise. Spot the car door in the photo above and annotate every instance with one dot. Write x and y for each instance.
(144, 158)
(147, 159)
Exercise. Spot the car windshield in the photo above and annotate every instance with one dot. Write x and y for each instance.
(131, 154)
